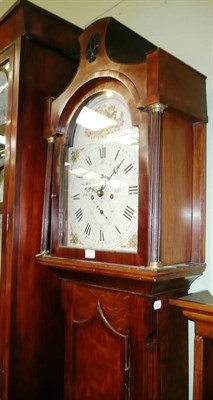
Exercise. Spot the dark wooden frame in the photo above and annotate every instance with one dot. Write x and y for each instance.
(44, 55)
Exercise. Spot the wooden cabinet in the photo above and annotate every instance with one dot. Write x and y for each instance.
(41, 54)
(198, 307)
(123, 339)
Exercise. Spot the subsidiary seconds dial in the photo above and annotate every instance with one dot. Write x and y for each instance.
(103, 197)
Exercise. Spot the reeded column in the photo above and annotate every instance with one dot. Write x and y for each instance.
(155, 180)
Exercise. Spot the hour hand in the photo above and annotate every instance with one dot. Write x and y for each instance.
(115, 170)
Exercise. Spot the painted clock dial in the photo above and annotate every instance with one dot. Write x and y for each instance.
(100, 199)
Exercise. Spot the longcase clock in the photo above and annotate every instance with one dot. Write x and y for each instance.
(124, 214)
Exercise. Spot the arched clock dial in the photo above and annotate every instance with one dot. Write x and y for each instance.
(102, 116)
(101, 207)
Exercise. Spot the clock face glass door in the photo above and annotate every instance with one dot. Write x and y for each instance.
(99, 196)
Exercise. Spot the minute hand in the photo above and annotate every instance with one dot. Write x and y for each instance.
(115, 170)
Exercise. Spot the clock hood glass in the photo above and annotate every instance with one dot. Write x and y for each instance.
(100, 196)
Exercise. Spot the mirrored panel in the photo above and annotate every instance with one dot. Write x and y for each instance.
(4, 67)
(3, 120)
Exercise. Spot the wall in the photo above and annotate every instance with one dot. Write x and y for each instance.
(184, 28)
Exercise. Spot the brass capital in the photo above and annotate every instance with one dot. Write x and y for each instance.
(50, 139)
(157, 107)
